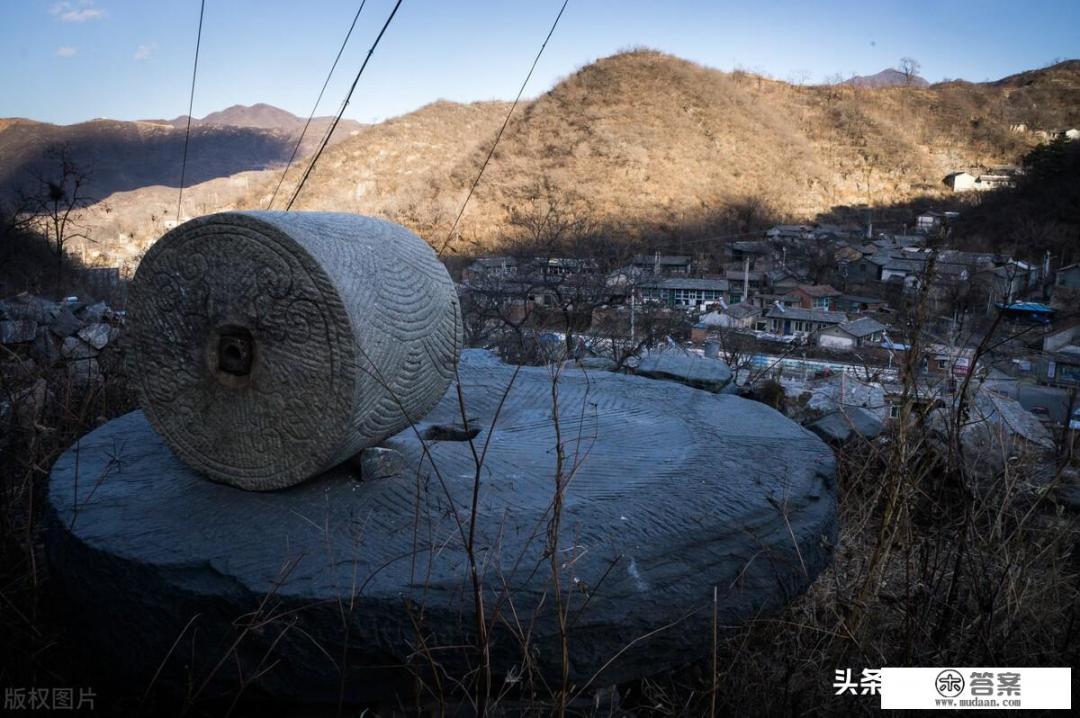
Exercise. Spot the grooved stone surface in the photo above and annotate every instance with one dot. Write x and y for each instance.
(677, 491)
(353, 327)
(673, 364)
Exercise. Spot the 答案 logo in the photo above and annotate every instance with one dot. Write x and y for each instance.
(949, 683)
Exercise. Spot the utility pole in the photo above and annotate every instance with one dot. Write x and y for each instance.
(746, 280)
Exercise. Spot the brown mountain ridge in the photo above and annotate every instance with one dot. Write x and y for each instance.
(643, 142)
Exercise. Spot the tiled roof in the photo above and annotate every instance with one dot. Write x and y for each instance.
(717, 285)
(863, 327)
(818, 290)
(812, 315)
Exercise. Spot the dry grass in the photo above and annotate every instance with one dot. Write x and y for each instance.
(935, 565)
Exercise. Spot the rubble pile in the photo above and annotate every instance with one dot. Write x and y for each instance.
(39, 333)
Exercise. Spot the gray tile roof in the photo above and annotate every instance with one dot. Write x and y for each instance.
(812, 315)
(716, 285)
(863, 327)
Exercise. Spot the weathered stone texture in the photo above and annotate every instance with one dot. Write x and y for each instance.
(342, 327)
(678, 491)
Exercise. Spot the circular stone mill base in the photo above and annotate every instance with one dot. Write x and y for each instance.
(346, 585)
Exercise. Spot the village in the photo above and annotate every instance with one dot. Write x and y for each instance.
(830, 313)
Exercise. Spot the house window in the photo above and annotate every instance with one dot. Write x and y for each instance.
(761, 326)
(821, 303)
(894, 411)
(688, 297)
(942, 363)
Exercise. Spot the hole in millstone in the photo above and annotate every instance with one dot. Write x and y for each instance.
(235, 349)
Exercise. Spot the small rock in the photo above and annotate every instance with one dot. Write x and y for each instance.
(29, 307)
(597, 363)
(378, 462)
(96, 335)
(696, 371)
(847, 423)
(16, 331)
(17, 371)
(45, 350)
(93, 313)
(65, 324)
(84, 371)
(75, 348)
(30, 403)
(1068, 490)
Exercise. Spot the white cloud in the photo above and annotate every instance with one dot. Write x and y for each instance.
(143, 52)
(79, 11)
(66, 51)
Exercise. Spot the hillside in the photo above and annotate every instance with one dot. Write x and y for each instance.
(387, 169)
(128, 155)
(643, 142)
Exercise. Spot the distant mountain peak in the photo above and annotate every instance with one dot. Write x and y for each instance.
(259, 116)
(889, 77)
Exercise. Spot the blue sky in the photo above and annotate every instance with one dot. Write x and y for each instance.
(126, 59)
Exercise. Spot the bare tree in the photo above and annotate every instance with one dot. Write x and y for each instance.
(909, 67)
(736, 349)
(549, 221)
(833, 87)
(55, 207)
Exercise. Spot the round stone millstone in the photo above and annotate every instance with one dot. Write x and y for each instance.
(271, 346)
(675, 492)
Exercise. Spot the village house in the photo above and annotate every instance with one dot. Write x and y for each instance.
(861, 271)
(1065, 292)
(781, 281)
(931, 222)
(733, 316)
(663, 264)
(684, 292)
(562, 266)
(1062, 368)
(897, 242)
(812, 296)
(966, 182)
(757, 251)
(743, 281)
(790, 231)
(837, 232)
(799, 322)
(485, 267)
(852, 334)
(1005, 283)
(853, 304)
(1060, 362)
(1068, 277)
(847, 253)
(945, 361)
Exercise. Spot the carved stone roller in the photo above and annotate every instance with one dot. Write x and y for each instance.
(271, 346)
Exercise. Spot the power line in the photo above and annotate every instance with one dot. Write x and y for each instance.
(491, 152)
(191, 104)
(317, 101)
(333, 126)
